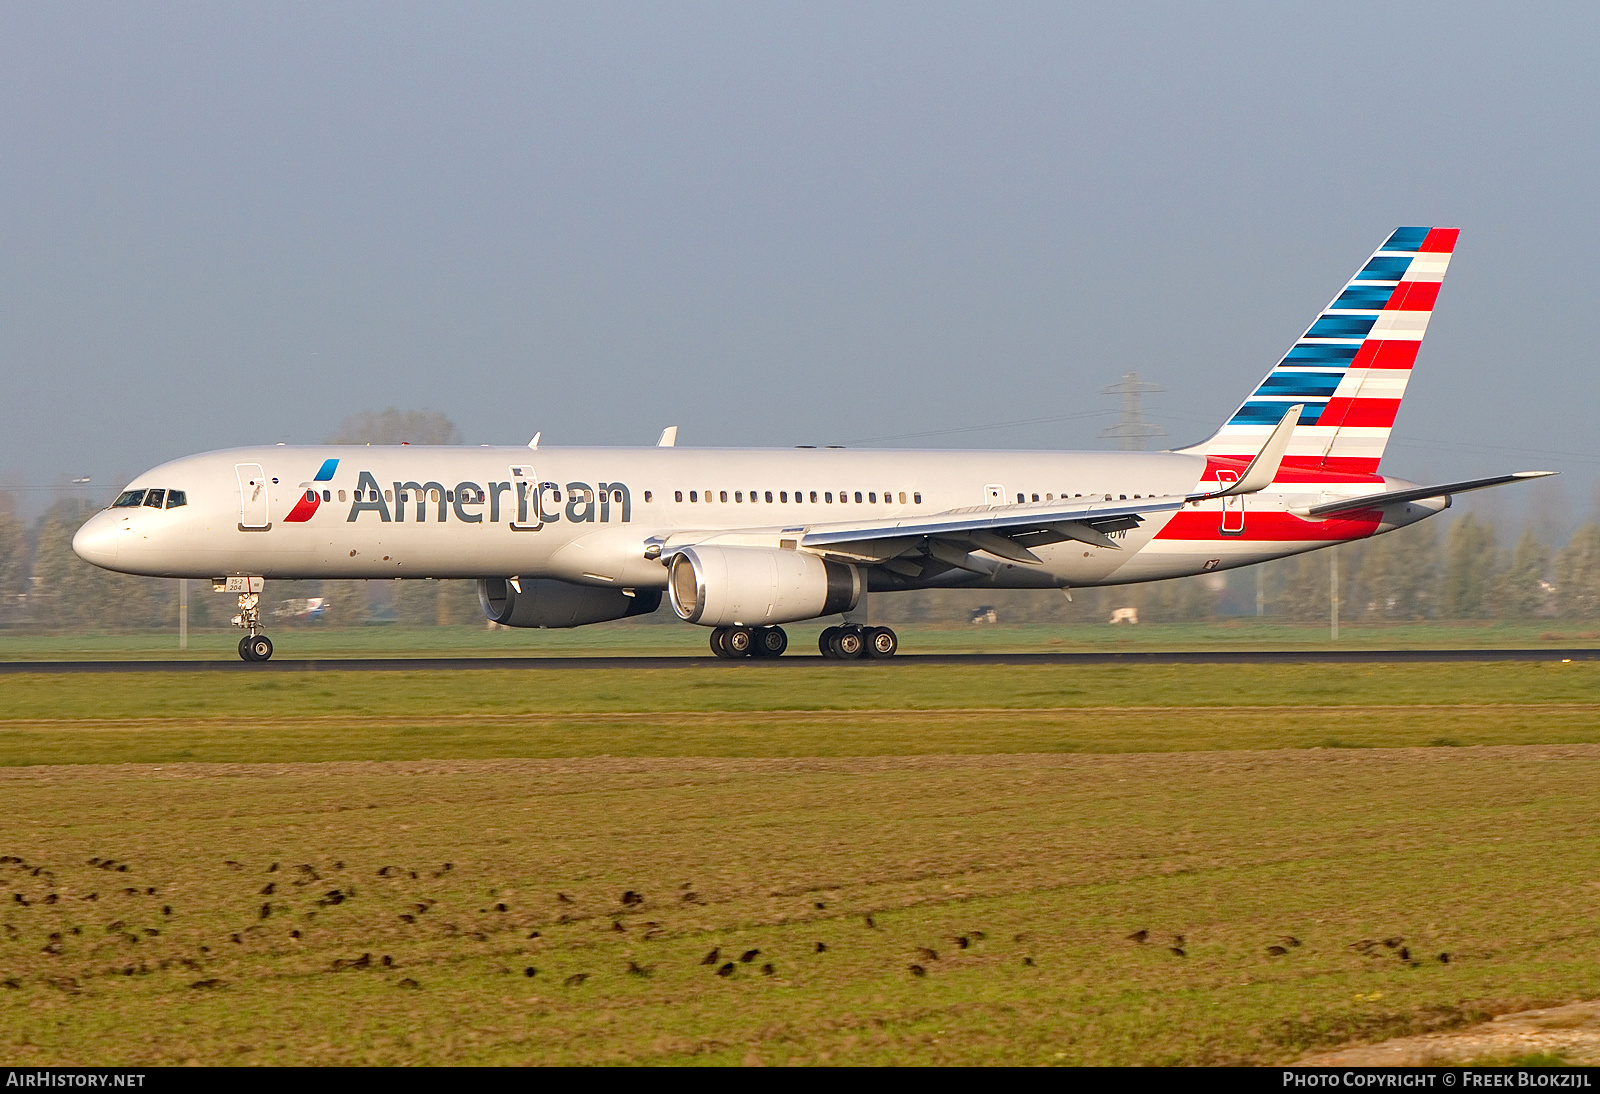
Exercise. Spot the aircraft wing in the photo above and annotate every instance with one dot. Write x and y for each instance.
(1007, 531)
(1003, 530)
(1397, 497)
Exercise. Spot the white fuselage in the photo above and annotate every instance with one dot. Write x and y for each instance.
(585, 515)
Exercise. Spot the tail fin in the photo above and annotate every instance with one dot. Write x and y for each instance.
(1350, 368)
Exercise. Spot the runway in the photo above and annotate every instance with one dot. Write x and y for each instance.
(511, 664)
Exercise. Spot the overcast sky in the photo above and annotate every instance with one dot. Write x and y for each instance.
(771, 224)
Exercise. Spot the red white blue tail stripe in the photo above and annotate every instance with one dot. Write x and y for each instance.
(1349, 369)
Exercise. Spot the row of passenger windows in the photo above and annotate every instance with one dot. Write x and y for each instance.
(1024, 498)
(825, 497)
(155, 499)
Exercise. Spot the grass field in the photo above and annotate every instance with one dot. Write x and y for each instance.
(971, 848)
(641, 639)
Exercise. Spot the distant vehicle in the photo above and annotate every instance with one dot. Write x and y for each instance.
(744, 540)
(311, 607)
(983, 614)
(1124, 615)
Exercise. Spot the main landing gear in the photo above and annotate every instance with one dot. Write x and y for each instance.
(853, 640)
(837, 643)
(733, 642)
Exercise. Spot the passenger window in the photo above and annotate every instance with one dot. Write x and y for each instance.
(828, 497)
(902, 497)
(1020, 498)
(873, 498)
(155, 498)
(387, 495)
(327, 495)
(1036, 497)
(917, 498)
(129, 499)
(341, 495)
(1049, 497)
(311, 496)
(783, 496)
(694, 495)
(176, 498)
(769, 497)
(858, 497)
(619, 496)
(1122, 497)
(738, 495)
(814, 497)
(724, 495)
(677, 495)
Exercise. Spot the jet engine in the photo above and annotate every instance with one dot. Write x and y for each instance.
(757, 586)
(544, 602)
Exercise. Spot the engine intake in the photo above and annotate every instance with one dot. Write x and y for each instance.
(758, 586)
(545, 602)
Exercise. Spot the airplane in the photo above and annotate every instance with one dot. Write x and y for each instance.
(743, 541)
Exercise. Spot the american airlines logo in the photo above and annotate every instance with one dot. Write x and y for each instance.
(310, 500)
(526, 505)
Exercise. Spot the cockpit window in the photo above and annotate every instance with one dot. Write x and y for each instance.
(129, 499)
(176, 498)
(155, 498)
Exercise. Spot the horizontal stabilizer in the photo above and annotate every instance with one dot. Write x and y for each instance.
(1398, 497)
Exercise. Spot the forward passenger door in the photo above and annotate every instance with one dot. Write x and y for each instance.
(253, 498)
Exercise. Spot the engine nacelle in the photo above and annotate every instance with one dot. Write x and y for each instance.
(544, 602)
(757, 586)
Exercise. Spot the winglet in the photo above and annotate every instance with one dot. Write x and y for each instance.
(535, 442)
(669, 437)
(1264, 468)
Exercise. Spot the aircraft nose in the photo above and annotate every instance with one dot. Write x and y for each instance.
(96, 541)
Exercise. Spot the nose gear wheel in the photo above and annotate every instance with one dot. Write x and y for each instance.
(255, 647)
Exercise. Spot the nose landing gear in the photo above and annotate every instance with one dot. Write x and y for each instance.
(254, 646)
